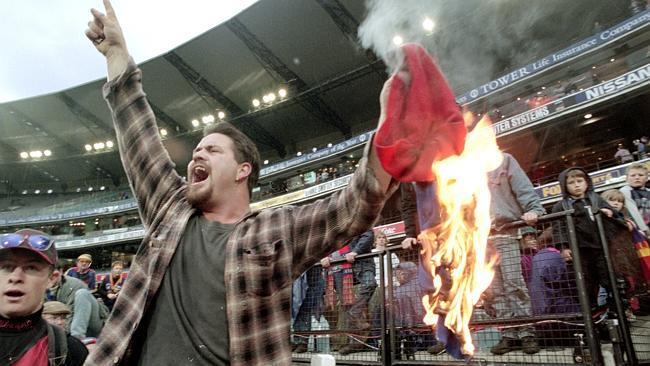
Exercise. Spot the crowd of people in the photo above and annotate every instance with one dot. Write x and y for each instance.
(218, 277)
(535, 275)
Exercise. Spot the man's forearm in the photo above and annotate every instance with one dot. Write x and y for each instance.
(374, 164)
(116, 63)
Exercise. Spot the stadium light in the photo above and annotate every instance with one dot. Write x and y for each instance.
(109, 144)
(163, 132)
(24, 155)
(195, 122)
(88, 147)
(36, 154)
(428, 24)
(282, 93)
(221, 115)
(47, 152)
(256, 103)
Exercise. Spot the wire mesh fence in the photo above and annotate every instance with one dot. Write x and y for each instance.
(546, 305)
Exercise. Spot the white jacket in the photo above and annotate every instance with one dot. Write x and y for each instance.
(630, 205)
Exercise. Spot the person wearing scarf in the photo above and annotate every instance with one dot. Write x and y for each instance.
(111, 285)
(27, 260)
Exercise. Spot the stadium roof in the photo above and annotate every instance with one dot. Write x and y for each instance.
(309, 48)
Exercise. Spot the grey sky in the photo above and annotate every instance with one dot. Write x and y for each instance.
(45, 49)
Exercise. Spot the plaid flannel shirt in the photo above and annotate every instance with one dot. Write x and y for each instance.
(265, 252)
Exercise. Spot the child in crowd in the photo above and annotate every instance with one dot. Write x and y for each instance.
(637, 196)
(578, 194)
(624, 258)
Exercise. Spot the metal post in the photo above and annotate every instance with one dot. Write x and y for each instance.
(592, 338)
(390, 331)
(385, 351)
(620, 311)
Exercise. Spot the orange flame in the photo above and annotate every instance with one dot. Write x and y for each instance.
(458, 244)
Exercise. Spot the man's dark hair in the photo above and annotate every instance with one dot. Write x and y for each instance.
(245, 149)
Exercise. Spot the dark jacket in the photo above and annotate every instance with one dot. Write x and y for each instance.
(363, 244)
(585, 209)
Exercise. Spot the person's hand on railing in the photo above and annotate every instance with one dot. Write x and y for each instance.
(325, 262)
(607, 212)
(530, 218)
(409, 243)
(350, 257)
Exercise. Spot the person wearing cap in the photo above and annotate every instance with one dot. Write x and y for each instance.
(85, 319)
(56, 313)
(83, 271)
(27, 259)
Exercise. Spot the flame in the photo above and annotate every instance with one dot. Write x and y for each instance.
(456, 249)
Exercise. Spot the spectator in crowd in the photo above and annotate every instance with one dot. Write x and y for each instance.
(637, 196)
(578, 194)
(640, 149)
(363, 271)
(27, 260)
(308, 291)
(111, 285)
(206, 223)
(625, 261)
(408, 309)
(637, 6)
(528, 245)
(512, 198)
(381, 242)
(56, 312)
(376, 302)
(552, 290)
(623, 155)
(83, 271)
(86, 317)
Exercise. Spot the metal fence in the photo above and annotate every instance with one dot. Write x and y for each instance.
(554, 300)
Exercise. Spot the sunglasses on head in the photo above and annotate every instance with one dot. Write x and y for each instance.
(37, 242)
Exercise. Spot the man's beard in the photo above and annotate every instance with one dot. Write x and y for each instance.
(197, 197)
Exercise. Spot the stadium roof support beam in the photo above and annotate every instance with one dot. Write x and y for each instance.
(206, 89)
(169, 121)
(273, 65)
(85, 115)
(73, 150)
(349, 26)
(325, 86)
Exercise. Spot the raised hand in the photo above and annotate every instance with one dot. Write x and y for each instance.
(105, 33)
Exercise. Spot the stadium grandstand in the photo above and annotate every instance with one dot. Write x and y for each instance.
(293, 77)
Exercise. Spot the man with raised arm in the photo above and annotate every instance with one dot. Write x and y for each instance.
(211, 283)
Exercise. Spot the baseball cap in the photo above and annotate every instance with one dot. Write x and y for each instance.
(85, 256)
(55, 307)
(32, 240)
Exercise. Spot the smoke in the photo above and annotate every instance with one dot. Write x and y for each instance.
(475, 41)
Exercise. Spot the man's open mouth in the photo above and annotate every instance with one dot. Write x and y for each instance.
(14, 294)
(199, 174)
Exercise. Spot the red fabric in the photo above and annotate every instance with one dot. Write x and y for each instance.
(422, 121)
(643, 251)
(347, 297)
(35, 356)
